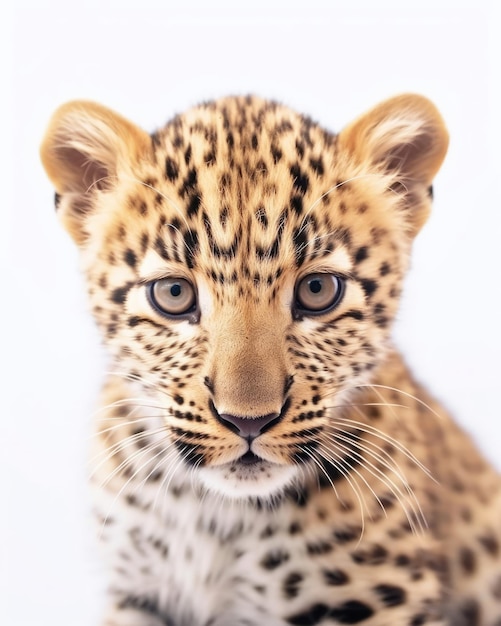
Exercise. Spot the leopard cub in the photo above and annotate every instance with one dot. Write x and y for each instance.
(262, 454)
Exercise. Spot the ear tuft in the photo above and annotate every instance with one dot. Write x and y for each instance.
(85, 148)
(405, 138)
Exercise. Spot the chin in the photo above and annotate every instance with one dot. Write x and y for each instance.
(258, 479)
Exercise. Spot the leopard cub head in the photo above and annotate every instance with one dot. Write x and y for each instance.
(244, 267)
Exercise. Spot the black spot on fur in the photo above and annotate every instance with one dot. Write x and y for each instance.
(193, 205)
(332, 473)
(119, 295)
(318, 548)
(312, 616)
(297, 204)
(299, 494)
(350, 612)
(299, 178)
(190, 452)
(130, 258)
(190, 247)
(161, 248)
(262, 217)
(384, 269)
(292, 584)
(345, 535)
(361, 254)
(490, 543)
(467, 560)
(317, 165)
(171, 169)
(300, 240)
(391, 595)
(142, 603)
(470, 612)
(369, 286)
(189, 183)
(276, 153)
(267, 532)
(355, 314)
(372, 555)
(335, 577)
(300, 149)
(274, 559)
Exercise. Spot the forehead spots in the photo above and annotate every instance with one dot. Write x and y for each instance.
(244, 192)
(300, 179)
(171, 169)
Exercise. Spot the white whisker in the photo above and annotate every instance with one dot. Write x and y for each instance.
(385, 437)
(404, 393)
(338, 465)
(111, 451)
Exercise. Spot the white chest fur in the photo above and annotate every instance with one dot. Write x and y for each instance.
(196, 560)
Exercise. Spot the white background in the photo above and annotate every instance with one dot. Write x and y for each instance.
(331, 60)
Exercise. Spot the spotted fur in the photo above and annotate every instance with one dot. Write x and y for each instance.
(256, 460)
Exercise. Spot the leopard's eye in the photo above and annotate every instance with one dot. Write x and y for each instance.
(318, 293)
(172, 296)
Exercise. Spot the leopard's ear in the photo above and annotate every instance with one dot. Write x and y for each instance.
(404, 137)
(85, 149)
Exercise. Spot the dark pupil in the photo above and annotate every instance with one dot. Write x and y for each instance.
(316, 286)
(175, 290)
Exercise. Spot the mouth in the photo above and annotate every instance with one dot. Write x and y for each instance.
(248, 476)
(249, 458)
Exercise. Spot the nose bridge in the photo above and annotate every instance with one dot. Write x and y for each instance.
(248, 369)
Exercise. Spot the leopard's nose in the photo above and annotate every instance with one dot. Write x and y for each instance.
(249, 427)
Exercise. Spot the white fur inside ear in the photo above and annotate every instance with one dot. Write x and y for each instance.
(84, 149)
(390, 137)
(87, 151)
(404, 136)
(405, 140)
(79, 149)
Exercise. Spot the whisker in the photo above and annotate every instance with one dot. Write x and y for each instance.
(133, 459)
(386, 480)
(322, 469)
(371, 430)
(375, 386)
(123, 424)
(379, 455)
(117, 497)
(351, 468)
(125, 441)
(111, 451)
(139, 379)
(137, 402)
(193, 471)
(165, 484)
(338, 466)
(362, 404)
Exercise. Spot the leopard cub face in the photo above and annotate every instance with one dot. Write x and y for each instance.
(244, 267)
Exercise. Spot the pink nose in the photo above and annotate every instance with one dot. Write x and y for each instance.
(249, 427)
